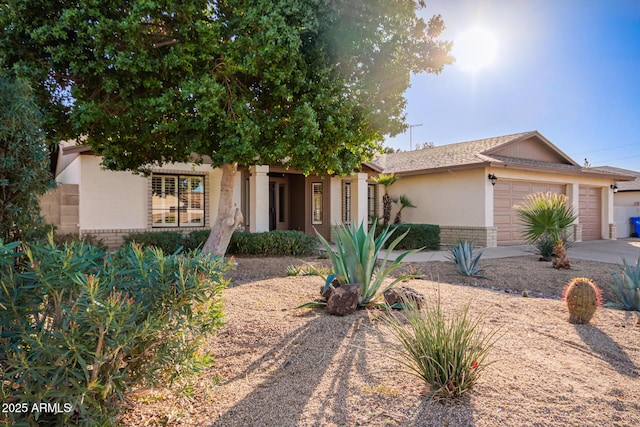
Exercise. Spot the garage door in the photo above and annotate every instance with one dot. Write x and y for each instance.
(506, 194)
(590, 213)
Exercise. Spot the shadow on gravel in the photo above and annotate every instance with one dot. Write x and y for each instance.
(607, 349)
(289, 374)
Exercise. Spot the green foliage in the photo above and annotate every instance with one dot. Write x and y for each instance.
(356, 256)
(24, 162)
(546, 246)
(461, 254)
(386, 180)
(281, 81)
(269, 243)
(89, 239)
(447, 354)
(545, 214)
(417, 235)
(405, 202)
(170, 242)
(80, 326)
(273, 243)
(627, 286)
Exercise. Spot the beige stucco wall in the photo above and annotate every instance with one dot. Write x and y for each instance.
(121, 200)
(449, 199)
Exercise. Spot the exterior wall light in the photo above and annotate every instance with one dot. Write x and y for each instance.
(614, 187)
(492, 178)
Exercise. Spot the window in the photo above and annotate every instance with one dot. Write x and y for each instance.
(316, 203)
(177, 201)
(372, 202)
(346, 202)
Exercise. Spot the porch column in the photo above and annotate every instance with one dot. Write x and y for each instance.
(359, 211)
(335, 214)
(573, 200)
(608, 220)
(259, 199)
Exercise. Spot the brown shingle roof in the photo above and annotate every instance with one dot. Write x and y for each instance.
(633, 185)
(443, 156)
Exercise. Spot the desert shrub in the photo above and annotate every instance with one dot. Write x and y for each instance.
(461, 254)
(169, 241)
(70, 238)
(418, 236)
(80, 326)
(272, 243)
(626, 287)
(448, 355)
(196, 239)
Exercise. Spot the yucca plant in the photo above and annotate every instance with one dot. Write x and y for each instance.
(448, 355)
(461, 254)
(627, 286)
(355, 258)
(547, 214)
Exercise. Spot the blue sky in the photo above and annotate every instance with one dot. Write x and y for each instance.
(567, 68)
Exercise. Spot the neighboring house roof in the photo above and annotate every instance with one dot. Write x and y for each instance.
(525, 150)
(633, 185)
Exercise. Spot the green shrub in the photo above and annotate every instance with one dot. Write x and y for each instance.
(272, 243)
(419, 236)
(169, 241)
(356, 258)
(448, 355)
(461, 254)
(89, 239)
(80, 326)
(627, 286)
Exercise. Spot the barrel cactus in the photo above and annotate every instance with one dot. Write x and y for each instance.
(583, 298)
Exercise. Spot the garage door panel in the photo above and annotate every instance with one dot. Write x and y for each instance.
(508, 194)
(590, 216)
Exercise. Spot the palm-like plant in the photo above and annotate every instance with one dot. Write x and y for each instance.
(547, 214)
(386, 180)
(404, 203)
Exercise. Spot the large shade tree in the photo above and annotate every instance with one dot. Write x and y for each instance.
(24, 164)
(314, 85)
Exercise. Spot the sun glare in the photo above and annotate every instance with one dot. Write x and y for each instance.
(475, 49)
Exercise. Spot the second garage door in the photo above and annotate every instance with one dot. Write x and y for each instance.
(506, 194)
(590, 216)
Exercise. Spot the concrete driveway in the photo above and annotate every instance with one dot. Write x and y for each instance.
(610, 251)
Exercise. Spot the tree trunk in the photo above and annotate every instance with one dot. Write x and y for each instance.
(560, 256)
(229, 215)
(386, 208)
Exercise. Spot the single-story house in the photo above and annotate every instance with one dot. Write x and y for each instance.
(626, 200)
(468, 188)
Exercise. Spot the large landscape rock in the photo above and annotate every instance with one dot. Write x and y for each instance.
(399, 294)
(343, 300)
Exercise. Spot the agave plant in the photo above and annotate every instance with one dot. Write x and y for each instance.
(627, 286)
(547, 214)
(466, 263)
(355, 257)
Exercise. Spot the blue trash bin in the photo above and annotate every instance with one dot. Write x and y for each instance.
(635, 220)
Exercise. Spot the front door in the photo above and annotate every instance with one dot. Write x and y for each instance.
(278, 204)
